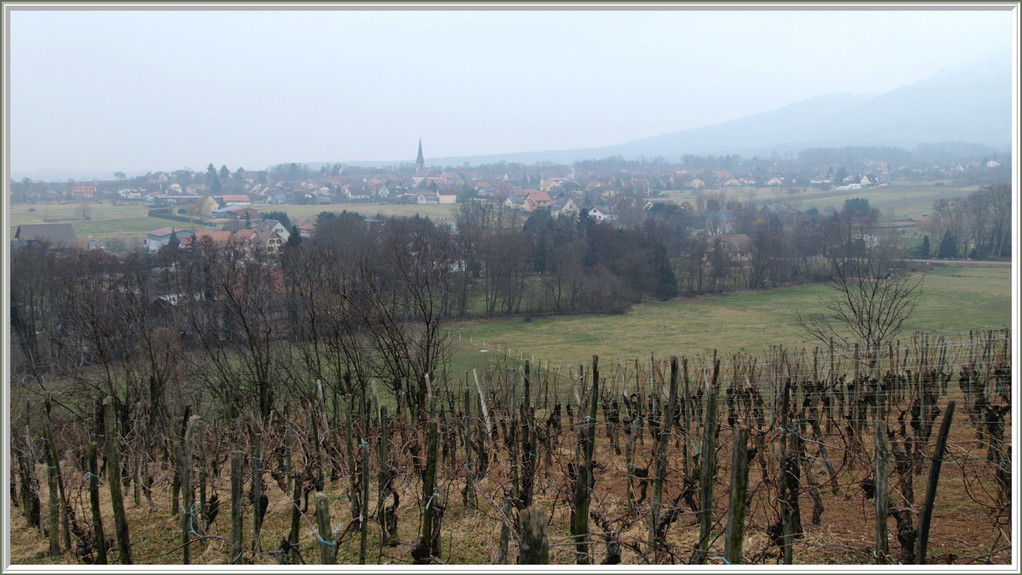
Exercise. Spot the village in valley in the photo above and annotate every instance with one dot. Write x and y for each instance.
(226, 206)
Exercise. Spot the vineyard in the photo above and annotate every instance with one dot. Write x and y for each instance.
(808, 456)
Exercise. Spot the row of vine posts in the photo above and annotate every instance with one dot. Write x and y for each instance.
(543, 456)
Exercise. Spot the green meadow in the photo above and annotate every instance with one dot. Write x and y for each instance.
(299, 214)
(897, 200)
(954, 300)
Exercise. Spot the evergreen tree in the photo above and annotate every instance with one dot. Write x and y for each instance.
(213, 180)
(295, 239)
(924, 248)
(948, 248)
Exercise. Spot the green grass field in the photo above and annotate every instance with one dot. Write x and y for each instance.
(300, 214)
(953, 301)
(897, 200)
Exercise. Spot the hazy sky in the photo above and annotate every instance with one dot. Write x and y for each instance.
(146, 90)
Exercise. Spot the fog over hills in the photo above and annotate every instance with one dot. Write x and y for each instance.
(970, 104)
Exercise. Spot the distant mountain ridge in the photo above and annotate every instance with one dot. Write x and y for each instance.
(970, 103)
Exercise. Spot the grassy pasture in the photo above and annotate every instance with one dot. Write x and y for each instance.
(954, 300)
(299, 214)
(897, 200)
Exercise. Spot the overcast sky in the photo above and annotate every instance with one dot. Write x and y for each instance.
(145, 90)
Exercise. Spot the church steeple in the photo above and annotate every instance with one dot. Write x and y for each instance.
(420, 162)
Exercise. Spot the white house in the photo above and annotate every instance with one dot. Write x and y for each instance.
(566, 208)
(267, 226)
(156, 239)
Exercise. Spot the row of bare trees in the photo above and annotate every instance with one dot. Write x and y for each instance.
(234, 328)
(977, 226)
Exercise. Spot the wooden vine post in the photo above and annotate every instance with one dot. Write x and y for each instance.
(791, 522)
(187, 502)
(428, 545)
(113, 468)
(237, 472)
(665, 431)
(296, 486)
(528, 449)
(931, 487)
(686, 421)
(469, 494)
(363, 520)
(633, 430)
(175, 488)
(354, 488)
(881, 456)
(708, 467)
(735, 535)
(97, 516)
(505, 530)
(55, 506)
(535, 547)
(386, 514)
(258, 498)
(327, 548)
(583, 474)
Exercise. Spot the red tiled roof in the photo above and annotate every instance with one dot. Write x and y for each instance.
(221, 238)
(538, 196)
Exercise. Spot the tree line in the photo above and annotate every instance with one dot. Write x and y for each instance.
(368, 299)
(977, 226)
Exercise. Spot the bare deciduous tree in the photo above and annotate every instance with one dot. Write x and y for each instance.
(867, 303)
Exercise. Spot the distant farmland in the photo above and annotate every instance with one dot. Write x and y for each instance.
(904, 201)
(131, 222)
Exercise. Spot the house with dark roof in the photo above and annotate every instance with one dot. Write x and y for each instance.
(267, 226)
(566, 208)
(54, 235)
